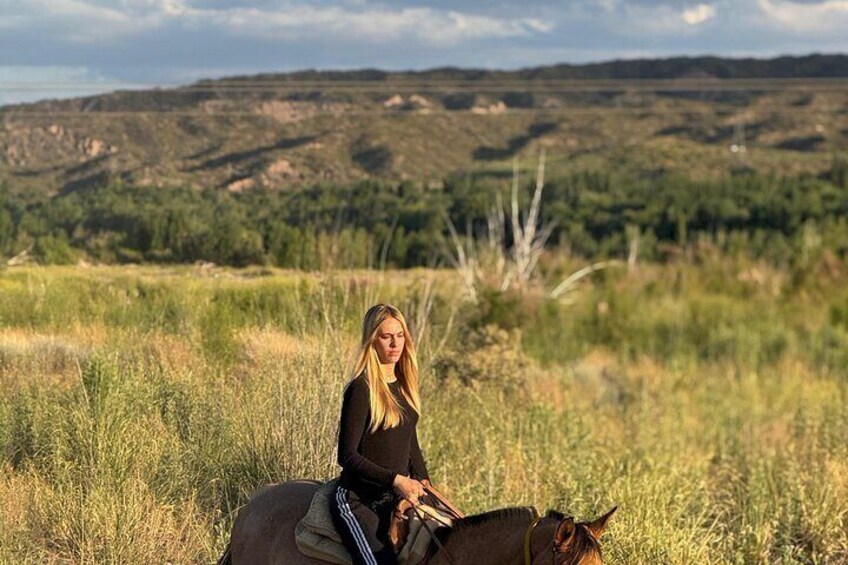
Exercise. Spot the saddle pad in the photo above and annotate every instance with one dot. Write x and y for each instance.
(318, 518)
(314, 545)
(316, 535)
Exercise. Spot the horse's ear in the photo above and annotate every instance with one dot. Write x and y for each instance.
(598, 526)
(564, 531)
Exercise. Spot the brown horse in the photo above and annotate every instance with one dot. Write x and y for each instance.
(263, 533)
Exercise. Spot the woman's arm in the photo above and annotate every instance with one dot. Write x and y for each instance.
(354, 418)
(417, 468)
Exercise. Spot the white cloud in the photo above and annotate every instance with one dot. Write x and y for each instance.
(85, 21)
(376, 25)
(646, 19)
(607, 6)
(699, 14)
(26, 83)
(95, 20)
(143, 8)
(807, 17)
(126, 39)
(76, 11)
(11, 22)
(639, 20)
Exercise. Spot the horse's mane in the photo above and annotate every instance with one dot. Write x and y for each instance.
(583, 543)
(500, 515)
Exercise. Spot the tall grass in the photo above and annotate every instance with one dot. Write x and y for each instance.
(141, 407)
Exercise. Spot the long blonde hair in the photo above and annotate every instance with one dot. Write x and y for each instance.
(386, 411)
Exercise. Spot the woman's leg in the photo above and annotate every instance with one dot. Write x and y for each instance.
(359, 523)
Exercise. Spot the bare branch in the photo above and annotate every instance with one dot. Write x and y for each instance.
(387, 243)
(569, 284)
(464, 260)
(529, 239)
(530, 234)
(21, 257)
(535, 205)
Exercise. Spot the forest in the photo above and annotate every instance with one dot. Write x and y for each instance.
(403, 224)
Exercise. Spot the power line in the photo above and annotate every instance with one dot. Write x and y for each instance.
(482, 85)
(570, 111)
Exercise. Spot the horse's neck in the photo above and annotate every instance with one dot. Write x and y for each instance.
(499, 542)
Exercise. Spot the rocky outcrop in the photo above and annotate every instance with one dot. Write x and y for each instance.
(497, 108)
(281, 168)
(241, 185)
(27, 146)
(92, 147)
(395, 101)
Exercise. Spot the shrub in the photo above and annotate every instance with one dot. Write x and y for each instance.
(486, 356)
(54, 250)
(507, 310)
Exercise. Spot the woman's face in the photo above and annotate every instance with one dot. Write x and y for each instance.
(389, 341)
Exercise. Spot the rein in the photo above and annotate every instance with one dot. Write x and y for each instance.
(433, 535)
(457, 514)
(528, 535)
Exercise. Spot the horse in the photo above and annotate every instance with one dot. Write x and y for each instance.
(263, 534)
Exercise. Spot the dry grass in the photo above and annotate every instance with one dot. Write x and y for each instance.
(160, 431)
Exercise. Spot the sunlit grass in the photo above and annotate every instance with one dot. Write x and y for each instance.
(141, 407)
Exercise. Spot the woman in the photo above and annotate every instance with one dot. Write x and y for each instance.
(378, 443)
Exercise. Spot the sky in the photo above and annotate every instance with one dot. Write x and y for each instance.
(58, 48)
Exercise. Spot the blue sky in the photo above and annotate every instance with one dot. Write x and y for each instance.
(52, 48)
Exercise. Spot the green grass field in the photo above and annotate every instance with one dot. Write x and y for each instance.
(141, 406)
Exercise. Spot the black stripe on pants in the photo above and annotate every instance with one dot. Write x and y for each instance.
(363, 525)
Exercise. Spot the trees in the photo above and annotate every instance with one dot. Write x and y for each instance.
(596, 214)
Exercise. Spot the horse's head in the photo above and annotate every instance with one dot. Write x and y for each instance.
(579, 543)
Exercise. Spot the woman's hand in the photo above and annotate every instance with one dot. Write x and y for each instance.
(410, 489)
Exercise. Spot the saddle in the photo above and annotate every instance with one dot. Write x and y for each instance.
(410, 530)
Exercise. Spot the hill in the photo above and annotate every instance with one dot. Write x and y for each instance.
(701, 115)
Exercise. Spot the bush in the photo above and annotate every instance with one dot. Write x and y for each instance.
(507, 310)
(54, 250)
(488, 356)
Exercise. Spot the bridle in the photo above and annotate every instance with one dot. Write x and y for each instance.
(528, 535)
(433, 536)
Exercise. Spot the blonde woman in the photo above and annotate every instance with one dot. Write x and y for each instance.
(378, 443)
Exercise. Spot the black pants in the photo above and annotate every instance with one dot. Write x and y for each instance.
(363, 523)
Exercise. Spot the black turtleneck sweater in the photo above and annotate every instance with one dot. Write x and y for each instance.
(370, 461)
